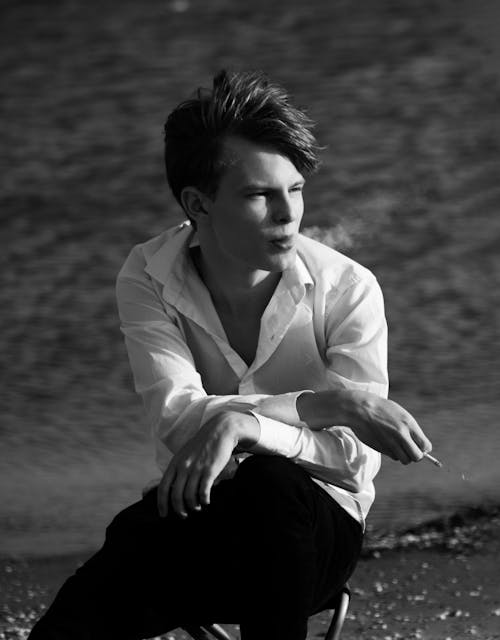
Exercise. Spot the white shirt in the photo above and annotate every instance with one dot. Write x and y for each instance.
(323, 326)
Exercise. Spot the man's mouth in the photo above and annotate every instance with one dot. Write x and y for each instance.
(283, 243)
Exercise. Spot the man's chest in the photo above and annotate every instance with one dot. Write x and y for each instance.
(257, 356)
(242, 334)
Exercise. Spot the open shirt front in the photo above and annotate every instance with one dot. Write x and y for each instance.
(323, 327)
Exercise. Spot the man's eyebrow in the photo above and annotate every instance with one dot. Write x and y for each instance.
(267, 187)
(255, 185)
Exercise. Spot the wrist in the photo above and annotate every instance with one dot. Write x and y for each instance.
(356, 406)
(242, 428)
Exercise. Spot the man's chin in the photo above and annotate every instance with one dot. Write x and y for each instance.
(282, 261)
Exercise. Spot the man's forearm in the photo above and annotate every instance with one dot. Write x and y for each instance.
(378, 422)
(326, 408)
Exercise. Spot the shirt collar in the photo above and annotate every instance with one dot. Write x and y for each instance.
(169, 265)
(297, 279)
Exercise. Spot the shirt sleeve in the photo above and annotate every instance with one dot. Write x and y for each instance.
(356, 356)
(356, 338)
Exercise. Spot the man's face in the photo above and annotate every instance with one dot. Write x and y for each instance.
(254, 218)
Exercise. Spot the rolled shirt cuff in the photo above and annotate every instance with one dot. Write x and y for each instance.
(280, 425)
(282, 407)
(276, 437)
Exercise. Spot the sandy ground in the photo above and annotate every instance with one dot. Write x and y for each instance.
(439, 582)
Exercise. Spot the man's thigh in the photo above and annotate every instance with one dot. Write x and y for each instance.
(270, 524)
(300, 535)
(269, 532)
(175, 563)
(151, 575)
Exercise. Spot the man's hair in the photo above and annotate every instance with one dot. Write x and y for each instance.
(243, 104)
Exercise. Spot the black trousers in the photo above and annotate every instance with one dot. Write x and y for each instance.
(270, 550)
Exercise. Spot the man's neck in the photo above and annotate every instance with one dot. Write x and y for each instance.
(236, 292)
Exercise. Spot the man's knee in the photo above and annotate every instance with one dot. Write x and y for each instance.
(134, 521)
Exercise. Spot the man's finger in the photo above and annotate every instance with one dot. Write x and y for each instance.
(206, 484)
(177, 494)
(422, 441)
(191, 492)
(415, 432)
(412, 452)
(163, 492)
(399, 454)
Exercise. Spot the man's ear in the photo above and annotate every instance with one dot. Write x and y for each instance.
(194, 203)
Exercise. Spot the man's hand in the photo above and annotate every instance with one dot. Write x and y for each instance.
(194, 469)
(381, 424)
(385, 426)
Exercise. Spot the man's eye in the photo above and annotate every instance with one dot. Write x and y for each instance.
(257, 194)
(297, 189)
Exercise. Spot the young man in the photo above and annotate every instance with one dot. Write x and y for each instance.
(244, 337)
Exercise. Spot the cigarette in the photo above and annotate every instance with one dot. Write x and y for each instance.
(433, 460)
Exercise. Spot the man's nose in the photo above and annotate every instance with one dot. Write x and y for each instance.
(285, 210)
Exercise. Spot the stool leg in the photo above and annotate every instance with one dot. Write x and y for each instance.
(218, 632)
(338, 618)
(207, 632)
(197, 632)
